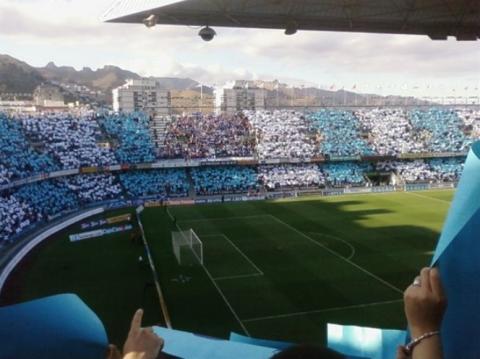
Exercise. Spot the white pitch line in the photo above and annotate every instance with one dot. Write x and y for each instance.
(258, 270)
(222, 295)
(428, 197)
(243, 254)
(352, 248)
(222, 218)
(287, 315)
(239, 276)
(169, 214)
(339, 256)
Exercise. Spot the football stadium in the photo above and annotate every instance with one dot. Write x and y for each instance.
(248, 229)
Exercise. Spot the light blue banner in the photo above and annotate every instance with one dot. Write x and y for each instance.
(56, 327)
(362, 342)
(190, 346)
(458, 257)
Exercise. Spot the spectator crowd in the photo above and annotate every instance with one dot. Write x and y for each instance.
(199, 136)
(35, 145)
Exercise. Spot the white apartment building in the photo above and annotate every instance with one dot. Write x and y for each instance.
(142, 95)
(245, 95)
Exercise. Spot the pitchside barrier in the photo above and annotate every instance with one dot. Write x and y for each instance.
(22, 253)
(161, 298)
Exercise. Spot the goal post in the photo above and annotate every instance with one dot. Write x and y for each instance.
(187, 247)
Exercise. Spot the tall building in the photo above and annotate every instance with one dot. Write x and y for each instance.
(142, 95)
(245, 95)
(48, 96)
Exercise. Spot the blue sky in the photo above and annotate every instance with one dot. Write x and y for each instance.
(71, 32)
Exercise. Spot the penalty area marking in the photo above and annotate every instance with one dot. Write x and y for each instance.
(234, 313)
(258, 270)
(352, 248)
(384, 282)
(307, 312)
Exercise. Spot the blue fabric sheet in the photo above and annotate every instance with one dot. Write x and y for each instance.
(361, 342)
(458, 257)
(56, 327)
(234, 337)
(190, 346)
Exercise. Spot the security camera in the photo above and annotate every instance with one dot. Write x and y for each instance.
(291, 28)
(207, 33)
(150, 21)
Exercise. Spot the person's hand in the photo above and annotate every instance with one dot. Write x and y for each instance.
(141, 343)
(402, 353)
(113, 352)
(425, 303)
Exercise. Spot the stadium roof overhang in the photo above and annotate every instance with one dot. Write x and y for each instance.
(437, 19)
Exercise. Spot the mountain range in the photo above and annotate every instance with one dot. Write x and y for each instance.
(19, 77)
(95, 86)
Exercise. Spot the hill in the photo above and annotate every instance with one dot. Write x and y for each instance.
(17, 76)
(103, 79)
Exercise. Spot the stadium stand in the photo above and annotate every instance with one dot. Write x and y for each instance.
(200, 136)
(410, 171)
(48, 198)
(42, 144)
(341, 174)
(441, 130)
(93, 188)
(165, 183)
(134, 143)
(447, 170)
(340, 133)
(72, 141)
(15, 216)
(390, 132)
(471, 119)
(285, 176)
(226, 179)
(18, 160)
(282, 134)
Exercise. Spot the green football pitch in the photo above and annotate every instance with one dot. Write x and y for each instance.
(272, 269)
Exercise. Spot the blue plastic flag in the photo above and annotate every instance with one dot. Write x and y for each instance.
(56, 327)
(234, 337)
(190, 346)
(362, 342)
(458, 257)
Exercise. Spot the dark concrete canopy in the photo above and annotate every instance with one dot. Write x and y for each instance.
(437, 19)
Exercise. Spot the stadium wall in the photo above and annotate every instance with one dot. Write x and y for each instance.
(42, 235)
(234, 161)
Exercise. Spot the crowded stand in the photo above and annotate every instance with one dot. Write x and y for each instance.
(345, 174)
(133, 143)
(340, 133)
(72, 141)
(32, 145)
(390, 132)
(165, 183)
(199, 136)
(447, 170)
(18, 160)
(93, 188)
(282, 134)
(224, 179)
(15, 216)
(288, 175)
(443, 130)
(471, 119)
(48, 198)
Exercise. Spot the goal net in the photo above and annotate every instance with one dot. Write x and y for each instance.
(187, 247)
